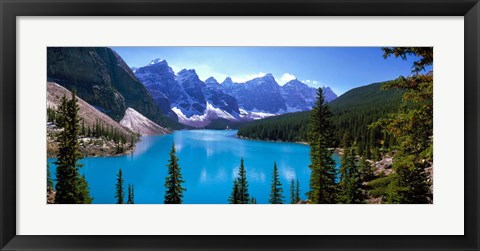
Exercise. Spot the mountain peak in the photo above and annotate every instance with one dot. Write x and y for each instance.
(268, 75)
(158, 61)
(187, 72)
(295, 82)
(228, 80)
(211, 80)
(140, 124)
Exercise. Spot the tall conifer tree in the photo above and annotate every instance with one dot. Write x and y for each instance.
(413, 128)
(350, 186)
(119, 192)
(244, 197)
(130, 196)
(297, 191)
(320, 138)
(292, 192)
(71, 188)
(276, 196)
(173, 182)
(235, 195)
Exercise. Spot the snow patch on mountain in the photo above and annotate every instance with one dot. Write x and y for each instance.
(157, 60)
(254, 115)
(140, 124)
(196, 120)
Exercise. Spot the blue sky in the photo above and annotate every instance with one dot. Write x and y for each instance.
(340, 68)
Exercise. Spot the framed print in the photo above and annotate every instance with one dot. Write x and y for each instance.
(239, 125)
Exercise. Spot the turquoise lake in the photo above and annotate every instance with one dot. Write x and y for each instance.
(209, 160)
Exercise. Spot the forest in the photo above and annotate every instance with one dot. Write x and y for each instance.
(353, 113)
(392, 119)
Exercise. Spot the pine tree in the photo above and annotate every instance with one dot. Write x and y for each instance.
(292, 192)
(276, 196)
(366, 171)
(71, 188)
(297, 192)
(84, 191)
(173, 182)
(119, 192)
(131, 192)
(344, 177)
(235, 195)
(350, 185)
(322, 177)
(413, 128)
(51, 115)
(253, 200)
(83, 128)
(243, 184)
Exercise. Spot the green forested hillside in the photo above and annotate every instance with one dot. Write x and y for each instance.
(352, 112)
(286, 127)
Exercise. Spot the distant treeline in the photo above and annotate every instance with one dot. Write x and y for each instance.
(353, 113)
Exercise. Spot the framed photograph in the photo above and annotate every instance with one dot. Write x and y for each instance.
(239, 125)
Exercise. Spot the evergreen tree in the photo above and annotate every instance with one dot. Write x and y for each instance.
(83, 128)
(84, 191)
(131, 192)
(297, 191)
(253, 200)
(119, 192)
(243, 184)
(62, 112)
(71, 188)
(366, 170)
(350, 185)
(173, 182)
(235, 195)
(344, 177)
(292, 192)
(276, 196)
(51, 115)
(413, 128)
(322, 177)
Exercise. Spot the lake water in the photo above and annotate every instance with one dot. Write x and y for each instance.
(209, 160)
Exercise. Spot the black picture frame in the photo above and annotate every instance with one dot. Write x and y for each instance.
(9, 9)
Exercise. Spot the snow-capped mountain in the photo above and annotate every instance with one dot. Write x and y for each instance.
(192, 87)
(159, 79)
(298, 96)
(265, 95)
(260, 94)
(212, 83)
(194, 102)
(140, 124)
(301, 97)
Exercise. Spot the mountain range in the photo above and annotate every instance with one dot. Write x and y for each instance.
(197, 103)
(101, 78)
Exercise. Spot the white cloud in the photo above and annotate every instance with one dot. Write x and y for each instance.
(285, 78)
(245, 78)
(312, 83)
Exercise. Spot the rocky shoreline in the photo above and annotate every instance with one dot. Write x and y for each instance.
(89, 146)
